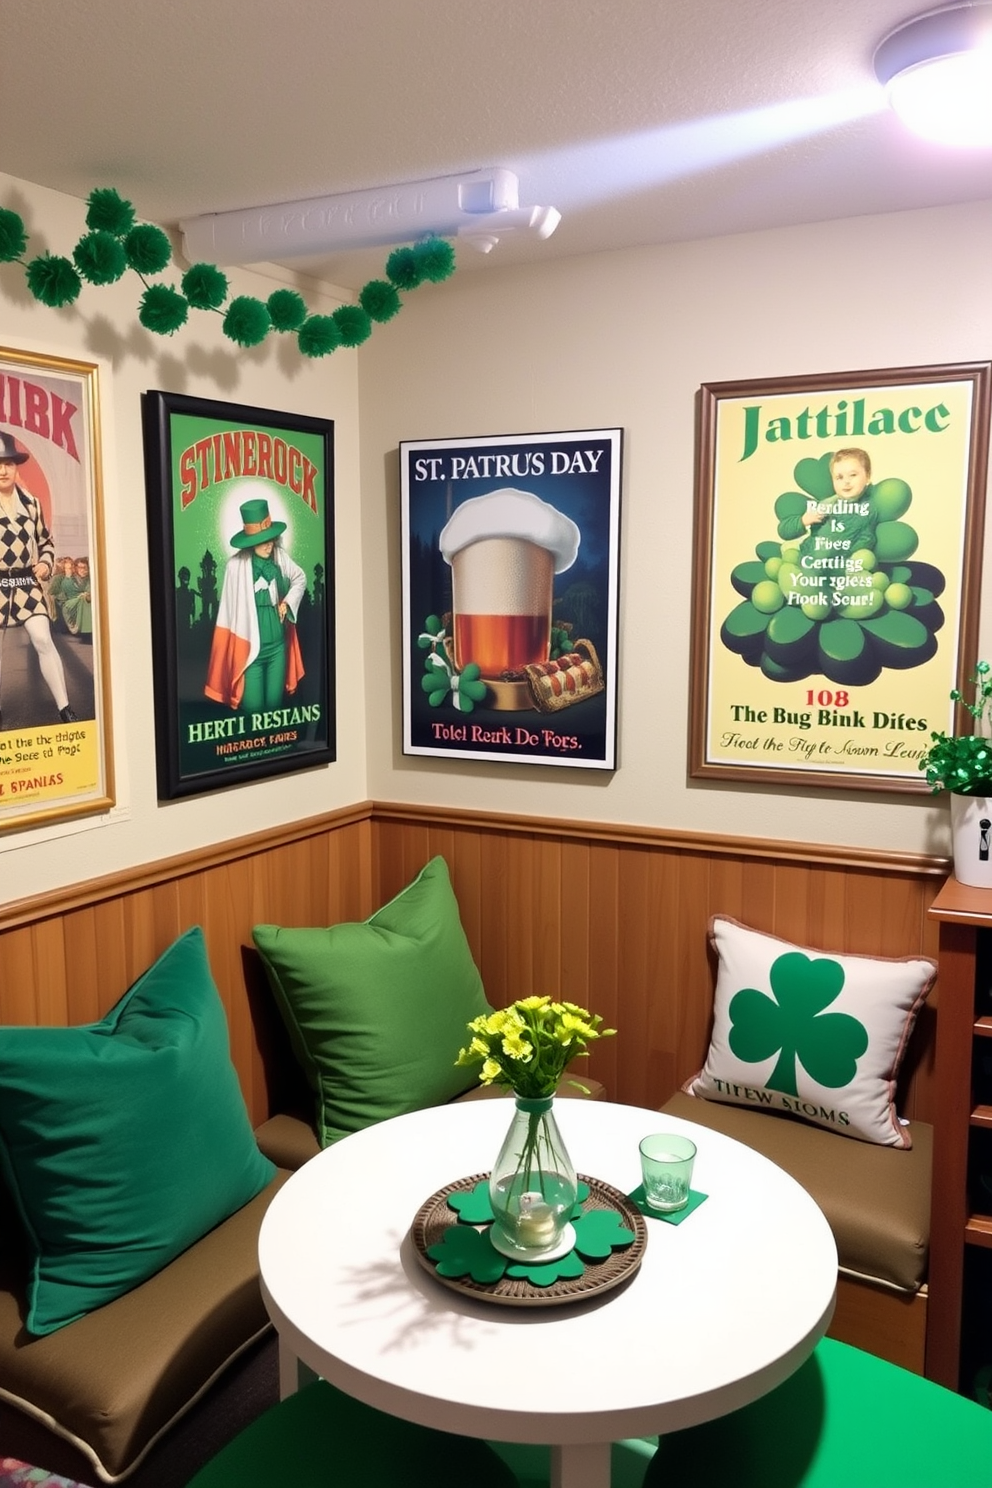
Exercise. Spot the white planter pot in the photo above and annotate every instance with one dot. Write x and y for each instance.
(971, 840)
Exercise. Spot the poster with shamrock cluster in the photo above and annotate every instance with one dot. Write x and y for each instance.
(510, 557)
(837, 561)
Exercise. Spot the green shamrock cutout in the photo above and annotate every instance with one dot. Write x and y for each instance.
(600, 1232)
(466, 1252)
(793, 1024)
(545, 1273)
(473, 1207)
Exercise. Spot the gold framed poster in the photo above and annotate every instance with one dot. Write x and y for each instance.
(55, 730)
(838, 540)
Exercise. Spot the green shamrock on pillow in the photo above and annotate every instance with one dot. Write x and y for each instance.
(792, 1023)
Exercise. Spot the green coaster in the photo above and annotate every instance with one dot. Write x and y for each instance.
(695, 1199)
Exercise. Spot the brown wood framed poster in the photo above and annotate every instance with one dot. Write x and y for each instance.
(510, 568)
(839, 522)
(56, 761)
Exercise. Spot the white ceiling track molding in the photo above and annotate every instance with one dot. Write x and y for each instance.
(480, 206)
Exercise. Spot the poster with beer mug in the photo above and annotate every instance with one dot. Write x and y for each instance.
(510, 562)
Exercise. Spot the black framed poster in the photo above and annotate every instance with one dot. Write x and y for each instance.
(241, 522)
(510, 566)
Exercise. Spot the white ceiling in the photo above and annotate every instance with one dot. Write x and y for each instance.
(642, 121)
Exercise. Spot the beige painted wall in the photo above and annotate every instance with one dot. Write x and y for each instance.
(614, 339)
(200, 361)
(626, 339)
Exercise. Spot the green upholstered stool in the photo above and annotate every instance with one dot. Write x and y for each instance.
(844, 1420)
(320, 1435)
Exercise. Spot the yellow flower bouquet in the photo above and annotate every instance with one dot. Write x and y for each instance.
(532, 1186)
(528, 1044)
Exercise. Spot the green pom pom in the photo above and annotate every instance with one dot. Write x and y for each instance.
(287, 309)
(13, 238)
(148, 248)
(403, 268)
(379, 300)
(99, 257)
(162, 309)
(353, 323)
(318, 335)
(247, 321)
(205, 286)
(53, 280)
(109, 212)
(435, 258)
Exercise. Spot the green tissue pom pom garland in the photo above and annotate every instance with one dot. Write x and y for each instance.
(53, 280)
(205, 286)
(13, 238)
(162, 309)
(116, 241)
(99, 257)
(287, 309)
(106, 211)
(148, 249)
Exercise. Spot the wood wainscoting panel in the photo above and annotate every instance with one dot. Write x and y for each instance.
(611, 917)
(615, 919)
(892, 1325)
(66, 958)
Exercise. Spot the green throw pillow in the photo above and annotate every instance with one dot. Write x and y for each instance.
(124, 1141)
(376, 1011)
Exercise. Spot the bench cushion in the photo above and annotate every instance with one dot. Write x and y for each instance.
(114, 1381)
(876, 1199)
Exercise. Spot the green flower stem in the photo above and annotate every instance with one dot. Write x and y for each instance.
(537, 1126)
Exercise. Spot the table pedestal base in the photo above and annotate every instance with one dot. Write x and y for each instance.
(583, 1465)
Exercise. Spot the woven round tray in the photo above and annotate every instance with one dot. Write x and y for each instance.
(434, 1217)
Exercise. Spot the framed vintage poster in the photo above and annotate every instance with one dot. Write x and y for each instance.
(510, 561)
(55, 723)
(839, 523)
(240, 531)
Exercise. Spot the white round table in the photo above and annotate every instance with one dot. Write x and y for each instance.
(724, 1307)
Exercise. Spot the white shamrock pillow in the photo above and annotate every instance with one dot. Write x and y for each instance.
(814, 1034)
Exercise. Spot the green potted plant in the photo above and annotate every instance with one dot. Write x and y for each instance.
(962, 764)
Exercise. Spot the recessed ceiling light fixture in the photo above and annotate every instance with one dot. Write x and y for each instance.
(937, 70)
(480, 206)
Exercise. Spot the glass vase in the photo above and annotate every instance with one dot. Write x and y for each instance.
(532, 1187)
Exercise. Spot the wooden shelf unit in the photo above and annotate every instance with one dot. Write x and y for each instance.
(965, 915)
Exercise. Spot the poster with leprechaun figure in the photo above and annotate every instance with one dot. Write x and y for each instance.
(837, 560)
(240, 504)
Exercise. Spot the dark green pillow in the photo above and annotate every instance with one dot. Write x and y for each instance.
(124, 1141)
(376, 1011)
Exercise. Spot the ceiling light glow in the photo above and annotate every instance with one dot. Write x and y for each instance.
(937, 70)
